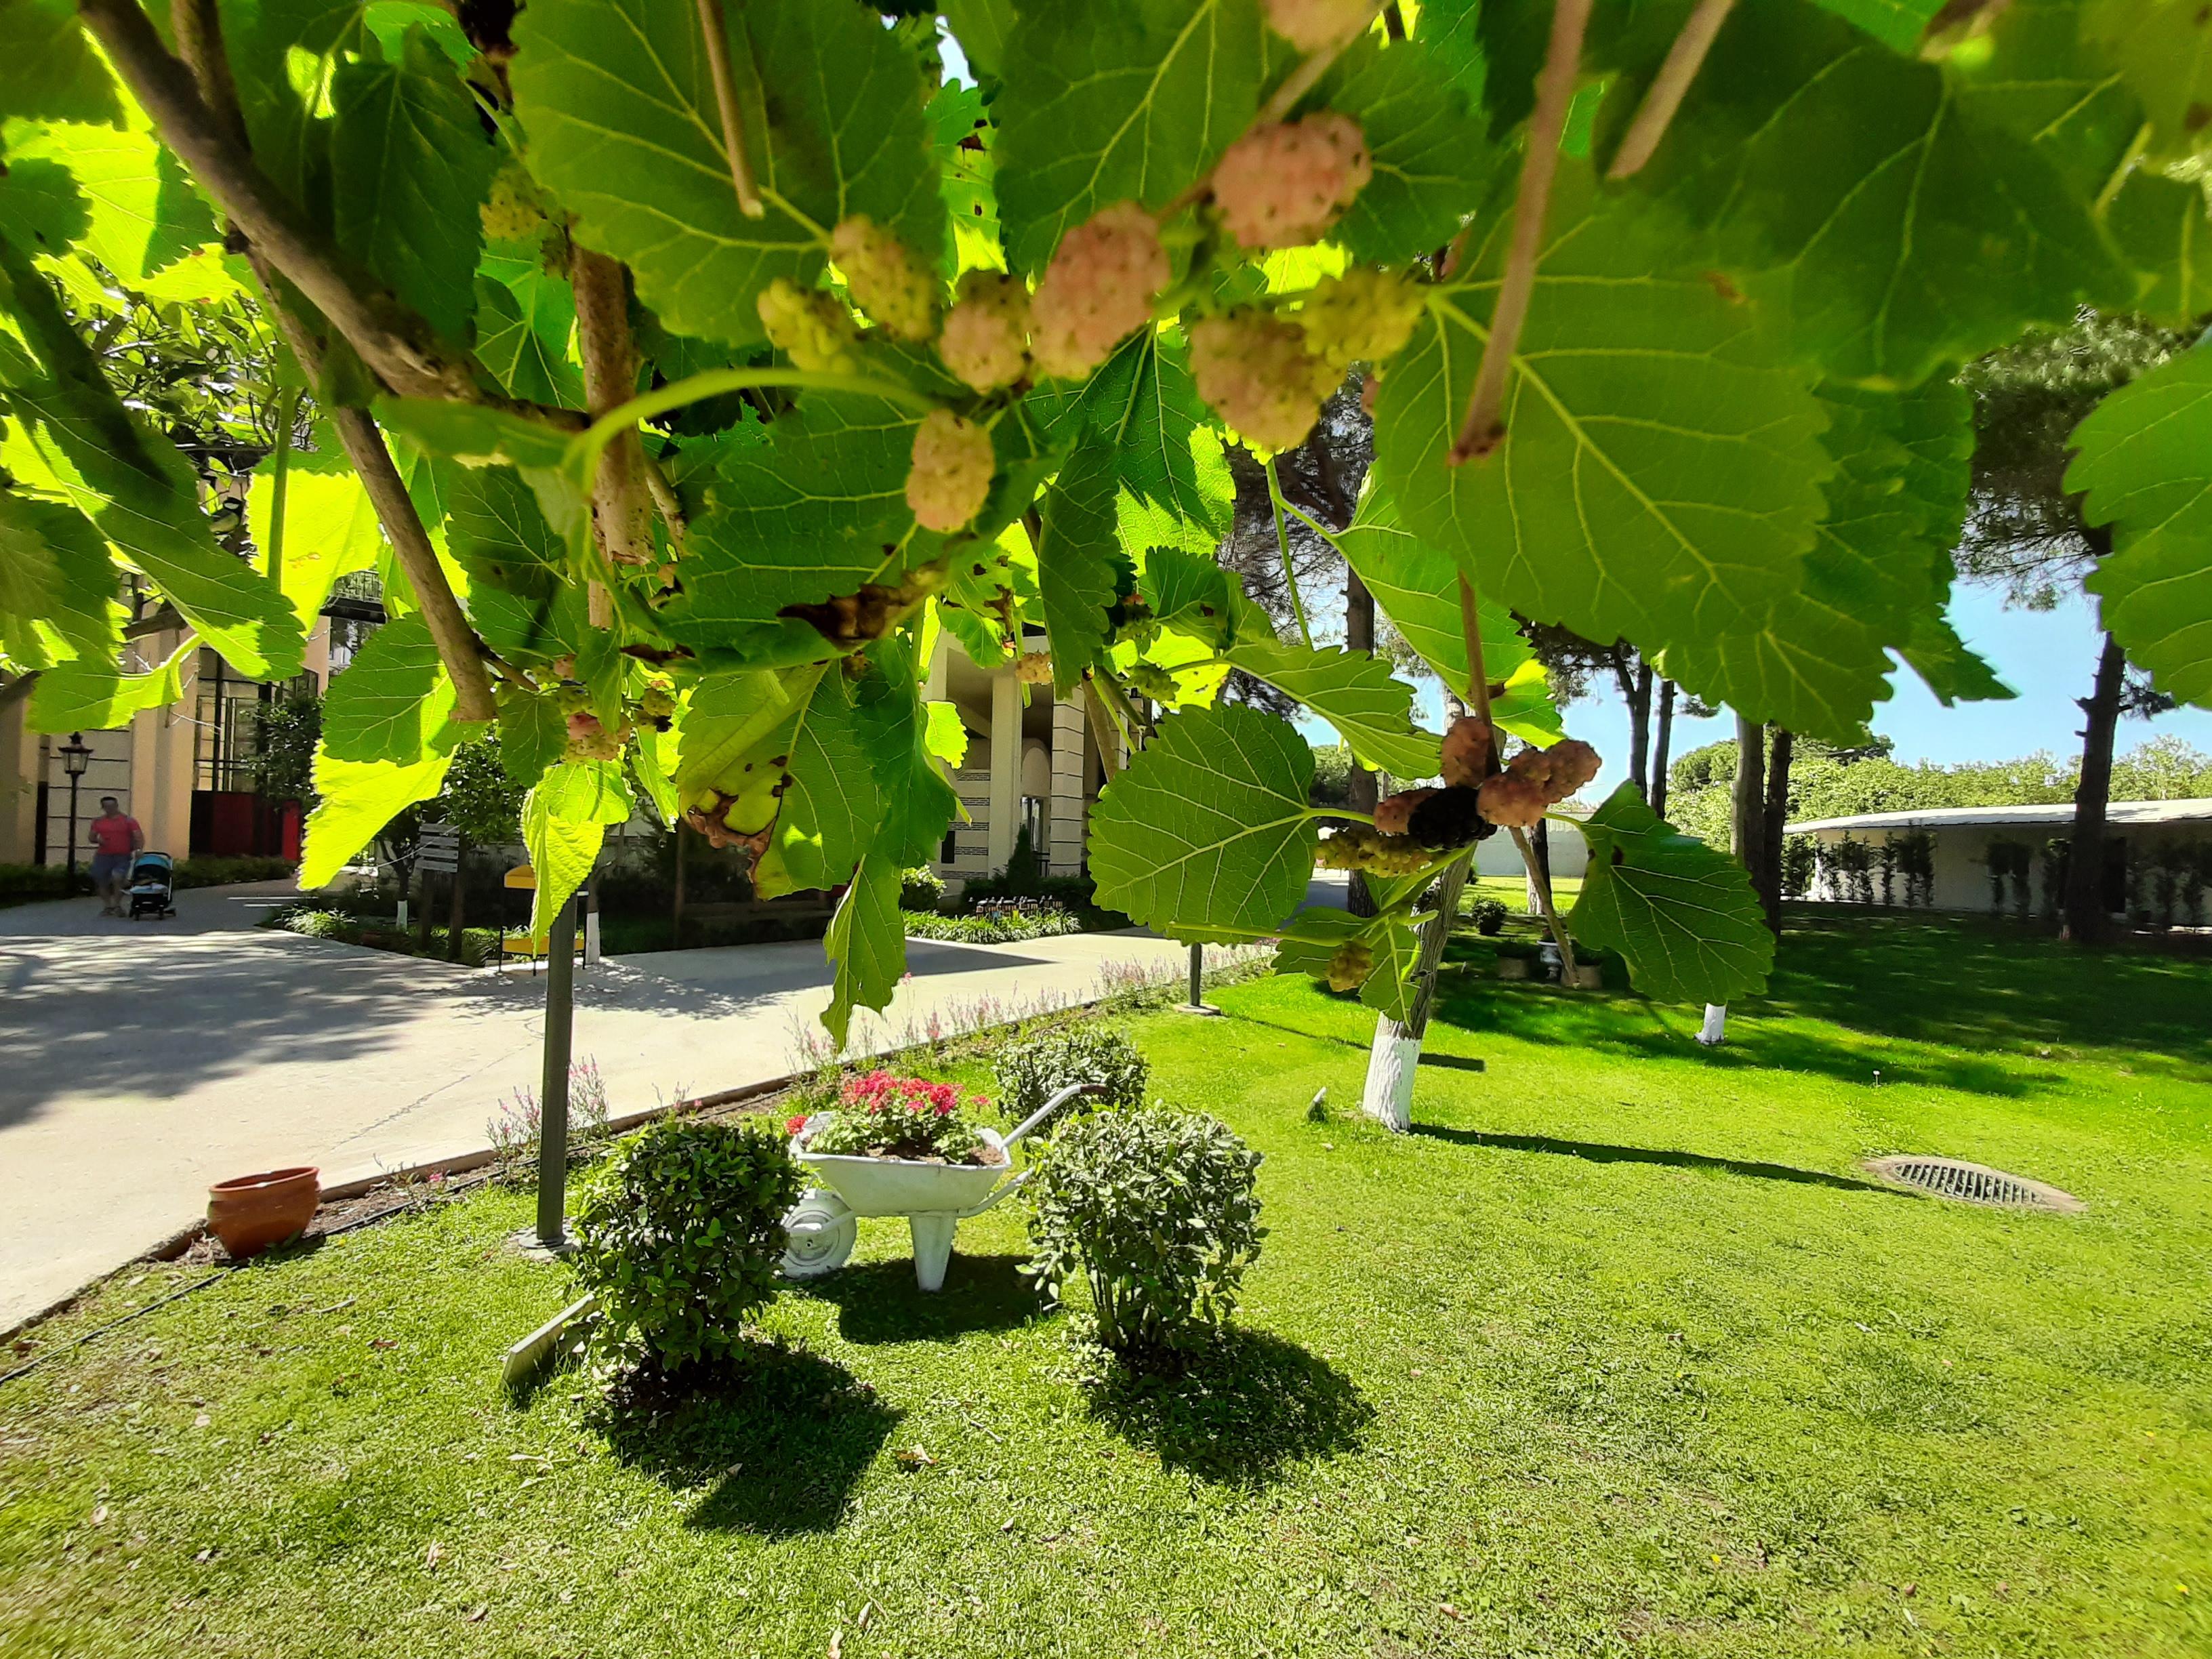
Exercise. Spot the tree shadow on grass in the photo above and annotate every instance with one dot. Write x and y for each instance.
(1239, 1413)
(1598, 1151)
(780, 1438)
(879, 1302)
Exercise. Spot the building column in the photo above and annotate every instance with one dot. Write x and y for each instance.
(20, 755)
(1069, 732)
(1005, 764)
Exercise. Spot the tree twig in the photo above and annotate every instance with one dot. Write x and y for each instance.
(1283, 542)
(398, 347)
(1555, 89)
(1541, 882)
(724, 74)
(1665, 93)
(1102, 728)
(664, 498)
(1470, 628)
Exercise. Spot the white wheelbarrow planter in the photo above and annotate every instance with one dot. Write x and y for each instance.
(934, 1198)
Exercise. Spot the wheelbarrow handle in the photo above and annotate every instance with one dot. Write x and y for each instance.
(1036, 1119)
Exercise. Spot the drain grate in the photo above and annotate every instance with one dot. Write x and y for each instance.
(1974, 1183)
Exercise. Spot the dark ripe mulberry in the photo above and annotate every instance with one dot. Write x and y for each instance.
(1446, 819)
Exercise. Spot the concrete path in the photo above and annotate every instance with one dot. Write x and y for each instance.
(141, 1062)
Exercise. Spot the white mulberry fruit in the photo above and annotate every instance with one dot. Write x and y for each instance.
(1309, 25)
(512, 210)
(813, 329)
(1395, 812)
(1101, 284)
(1349, 964)
(880, 274)
(1283, 185)
(1469, 747)
(1513, 801)
(1559, 771)
(1034, 668)
(952, 474)
(589, 740)
(1255, 371)
(1364, 316)
(1359, 847)
(987, 331)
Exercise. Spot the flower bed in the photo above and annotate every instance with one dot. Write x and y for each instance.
(881, 1114)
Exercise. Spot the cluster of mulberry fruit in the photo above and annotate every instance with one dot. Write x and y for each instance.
(986, 338)
(1101, 285)
(1254, 368)
(1536, 779)
(1283, 184)
(513, 210)
(1364, 316)
(1349, 965)
(881, 277)
(1361, 847)
(813, 329)
(1034, 668)
(950, 478)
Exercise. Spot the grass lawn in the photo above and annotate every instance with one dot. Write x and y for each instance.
(1618, 1354)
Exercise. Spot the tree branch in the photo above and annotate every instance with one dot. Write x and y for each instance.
(1665, 93)
(459, 647)
(396, 345)
(1283, 542)
(1478, 676)
(621, 516)
(1555, 89)
(1543, 883)
(718, 67)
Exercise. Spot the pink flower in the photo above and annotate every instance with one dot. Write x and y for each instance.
(944, 1108)
(793, 1125)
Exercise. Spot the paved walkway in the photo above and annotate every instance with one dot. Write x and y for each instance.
(141, 1062)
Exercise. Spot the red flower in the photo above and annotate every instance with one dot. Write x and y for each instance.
(792, 1126)
(944, 1108)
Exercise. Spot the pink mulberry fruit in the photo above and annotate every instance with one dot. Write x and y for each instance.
(1513, 801)
(1100, 285)
(1393, 814)
(1283, 185)
(985, 332)
(951, 473)
(1255, 371)
(1468, 749)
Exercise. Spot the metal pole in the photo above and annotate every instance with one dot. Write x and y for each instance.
(72, 833)
(553, 1097)
(1198, 976)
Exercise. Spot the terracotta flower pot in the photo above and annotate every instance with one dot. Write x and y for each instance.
(254, 1212)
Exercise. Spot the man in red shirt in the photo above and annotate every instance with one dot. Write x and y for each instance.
(115, 837)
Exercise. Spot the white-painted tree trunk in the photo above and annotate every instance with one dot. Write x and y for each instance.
(1391, 1065)
(1716, 1027)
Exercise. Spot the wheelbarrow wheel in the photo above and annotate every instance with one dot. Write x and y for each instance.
(819, 1230)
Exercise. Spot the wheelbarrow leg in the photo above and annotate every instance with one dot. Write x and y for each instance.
(932, 1245)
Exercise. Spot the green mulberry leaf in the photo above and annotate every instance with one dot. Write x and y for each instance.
(1077, 578)
(1371, 709)
(918, 804)
(2163, 50)
(1314, 935)
(1660, 474)
(828, 814)
(410, 164)
(1682, 914)
(1429, 145)
(624, 129)
(88, 694)
(2160, 227)
(354, 799)
(524, 319)
(1208, 834)
(564, 823)
(2032, 76)
(1142, 404)
(1118, 101)
(2140, 459)
(1865, 197)
(49, 72)
(58, 585)
(866, 942)
(143, 213)
(391, 699)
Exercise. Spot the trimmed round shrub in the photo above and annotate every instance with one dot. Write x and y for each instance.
(921, 889)
(1489, 917)
(678, 1235)
(1156, 1209)
(1032, 1072)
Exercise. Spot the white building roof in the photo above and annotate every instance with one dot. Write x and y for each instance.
(2122, 813)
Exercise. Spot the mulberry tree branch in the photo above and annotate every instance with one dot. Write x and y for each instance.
(724, 74)
(1555, 89)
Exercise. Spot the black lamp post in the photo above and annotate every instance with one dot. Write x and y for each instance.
(76, 757)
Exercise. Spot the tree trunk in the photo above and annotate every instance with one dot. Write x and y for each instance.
(1393, 1061)
(1359, 635)
(1748, 819)
(1777, 816)
(423, 906)
(455, 917)
(676, 920)
(2085, 911)
(1660, 741)
(1638, 692)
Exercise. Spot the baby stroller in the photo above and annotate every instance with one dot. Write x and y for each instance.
(152, 885)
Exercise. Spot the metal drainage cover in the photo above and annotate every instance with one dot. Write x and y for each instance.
(1974, 1183)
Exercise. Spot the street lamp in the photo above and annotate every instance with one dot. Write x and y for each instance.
(76, 757)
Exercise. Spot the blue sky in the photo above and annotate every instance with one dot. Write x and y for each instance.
(2047, 657)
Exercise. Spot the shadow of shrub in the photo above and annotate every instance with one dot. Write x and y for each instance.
(879, 1302)
(779, 1438)
(1238, 1412)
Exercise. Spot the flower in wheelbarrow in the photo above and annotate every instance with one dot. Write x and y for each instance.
(793, 1125)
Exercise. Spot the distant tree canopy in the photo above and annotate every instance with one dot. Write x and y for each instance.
(1825, 782)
